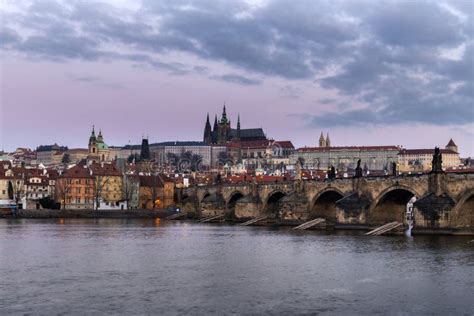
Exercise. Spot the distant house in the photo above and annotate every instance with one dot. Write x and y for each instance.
(75, 188)
(156, 191)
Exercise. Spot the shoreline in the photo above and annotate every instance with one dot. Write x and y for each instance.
(141, 213)
(164, 213)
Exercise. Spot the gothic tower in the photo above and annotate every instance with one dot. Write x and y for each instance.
(145, 150)
(223, 128)
(215, 130)
(238, 127)
(207, 131)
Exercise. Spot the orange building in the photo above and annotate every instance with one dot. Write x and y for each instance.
(155, 191)
(75, 188)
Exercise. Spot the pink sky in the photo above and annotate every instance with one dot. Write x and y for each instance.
(46, 100)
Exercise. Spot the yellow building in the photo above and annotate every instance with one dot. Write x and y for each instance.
(419, 160)
(108, 183)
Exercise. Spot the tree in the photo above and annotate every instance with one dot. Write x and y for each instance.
(129, 188)
(66, 159)
(63, 188)
(100, 183)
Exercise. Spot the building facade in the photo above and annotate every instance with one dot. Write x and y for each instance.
(419, 160)
(75, 188)
(344, 158)
(156, 191)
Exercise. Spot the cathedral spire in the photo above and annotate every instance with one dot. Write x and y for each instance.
(238, 127)
(224, 115)
(207, 131)
(215, 124)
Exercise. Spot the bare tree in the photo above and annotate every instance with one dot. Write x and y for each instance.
(129, 186)
(100, 183)
(63, 188)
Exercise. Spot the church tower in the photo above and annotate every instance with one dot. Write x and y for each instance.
(452, 146)
(322, 141)
(93, 143)
(328, 141)
(207, 131)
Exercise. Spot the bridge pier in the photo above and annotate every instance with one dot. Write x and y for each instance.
(293, 207)
(352, 209)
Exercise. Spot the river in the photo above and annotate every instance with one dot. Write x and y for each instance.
(130, 266)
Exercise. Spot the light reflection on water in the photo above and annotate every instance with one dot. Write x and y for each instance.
(144, 266)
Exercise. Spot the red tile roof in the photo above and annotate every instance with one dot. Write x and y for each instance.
(285, 144)
(78, 171)
(354, 148)
(105, 169)
(424, 151)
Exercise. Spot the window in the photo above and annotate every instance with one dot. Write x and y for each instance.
(78, 190)
(78, 200)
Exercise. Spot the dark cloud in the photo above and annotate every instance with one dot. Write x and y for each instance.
(388, 57)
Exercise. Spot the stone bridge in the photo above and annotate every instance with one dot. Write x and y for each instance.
(444, 201)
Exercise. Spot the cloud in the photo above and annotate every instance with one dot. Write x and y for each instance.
(386, 57)
(232, 78)
(291, 92)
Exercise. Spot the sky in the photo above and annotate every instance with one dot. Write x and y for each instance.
(366, 72)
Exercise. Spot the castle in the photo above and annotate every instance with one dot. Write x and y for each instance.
(222, 132)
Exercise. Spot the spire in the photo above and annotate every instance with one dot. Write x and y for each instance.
(224, 115)
(215, 124)
(238, 127)
(207, 131)
(92, 138)
(328, 141)
(100, 139)
(322, 141)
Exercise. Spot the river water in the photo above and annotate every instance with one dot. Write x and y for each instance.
(96, 266)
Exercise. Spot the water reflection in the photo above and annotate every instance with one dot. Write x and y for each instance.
(143, 266)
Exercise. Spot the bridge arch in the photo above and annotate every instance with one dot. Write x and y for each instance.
(272, 201)
(232, 200)
(204, 195)
(390, 205)
(323, 205)
(463, 212)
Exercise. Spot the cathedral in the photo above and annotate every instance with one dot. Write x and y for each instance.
(222, 132)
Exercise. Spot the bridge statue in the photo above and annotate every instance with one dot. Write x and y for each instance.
(394, 169)
(437, 162)
(358, 171)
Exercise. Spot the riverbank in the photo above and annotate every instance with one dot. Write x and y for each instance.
(158, 213)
